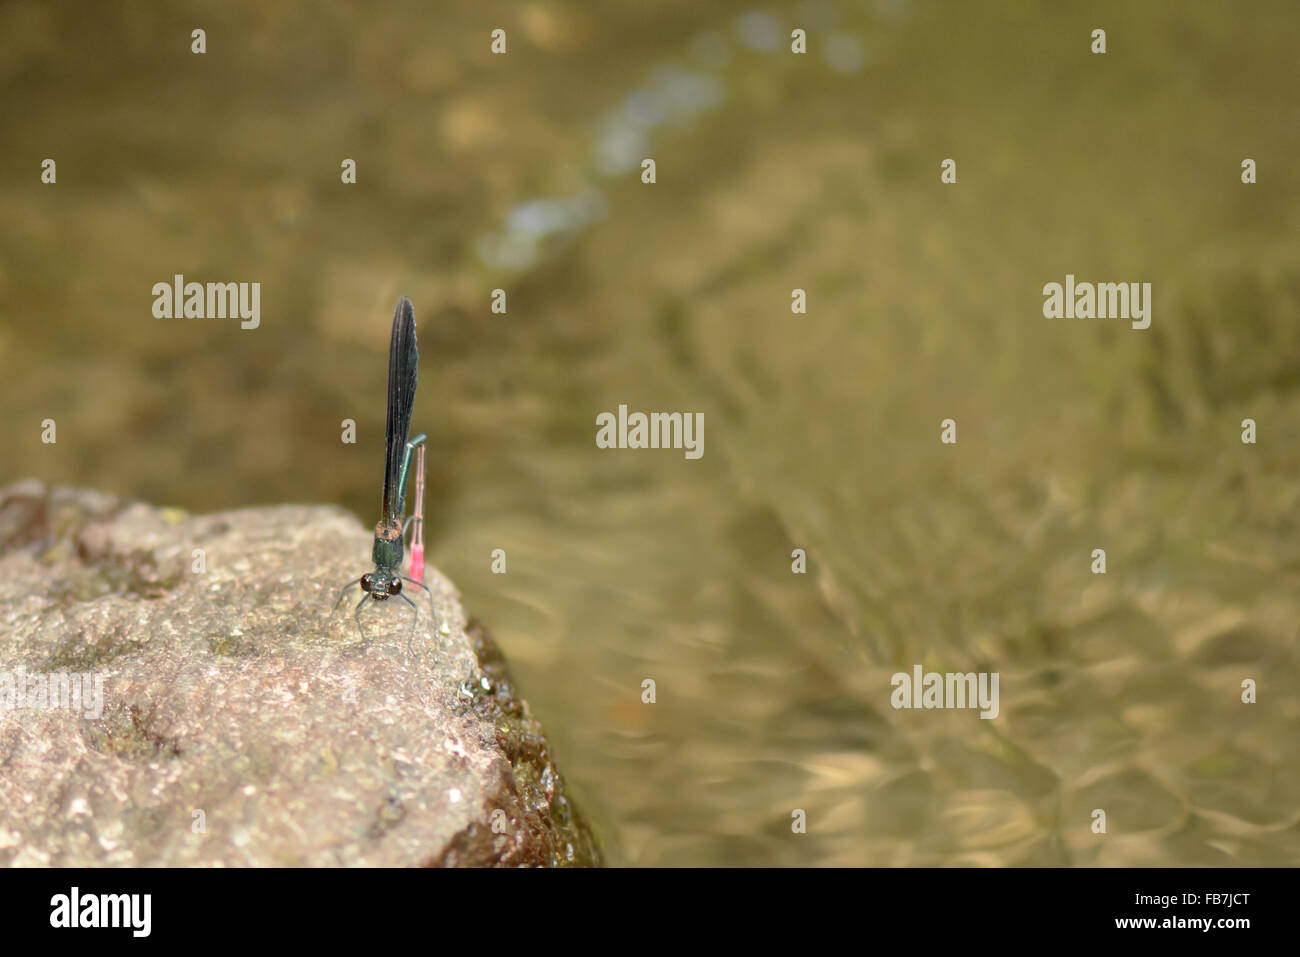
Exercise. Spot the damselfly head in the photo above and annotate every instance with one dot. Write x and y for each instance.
(381, 586)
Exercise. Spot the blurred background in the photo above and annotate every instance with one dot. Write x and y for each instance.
(775, 171)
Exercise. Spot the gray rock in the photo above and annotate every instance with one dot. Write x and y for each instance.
(239, 721)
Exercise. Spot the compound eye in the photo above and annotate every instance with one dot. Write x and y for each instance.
(394, 586)
(366, 582)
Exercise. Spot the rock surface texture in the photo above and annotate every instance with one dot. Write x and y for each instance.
(237, 720)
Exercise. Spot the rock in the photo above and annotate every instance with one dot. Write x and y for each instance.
(239, 721)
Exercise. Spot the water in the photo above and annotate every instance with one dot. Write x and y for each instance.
(775, 171)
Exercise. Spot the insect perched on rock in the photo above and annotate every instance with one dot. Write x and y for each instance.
(386, 580)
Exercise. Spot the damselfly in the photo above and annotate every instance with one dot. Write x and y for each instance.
(386, 580)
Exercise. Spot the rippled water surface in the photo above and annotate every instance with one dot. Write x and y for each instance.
(775, 171)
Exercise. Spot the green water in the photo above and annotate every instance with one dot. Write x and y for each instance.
(775, 171)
